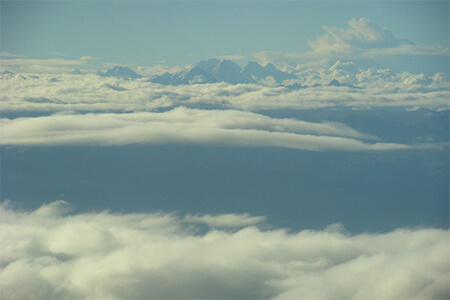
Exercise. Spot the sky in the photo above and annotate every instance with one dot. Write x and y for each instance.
(323, 175)
(180, 33)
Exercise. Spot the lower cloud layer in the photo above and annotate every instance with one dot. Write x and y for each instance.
(50, 253)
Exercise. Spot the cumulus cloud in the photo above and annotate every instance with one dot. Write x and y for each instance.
(50, 253)
(182, 125)
(361, 34)
(361, 40)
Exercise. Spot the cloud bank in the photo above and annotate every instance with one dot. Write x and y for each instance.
(50, 253)
(374, 88)
(191, 126)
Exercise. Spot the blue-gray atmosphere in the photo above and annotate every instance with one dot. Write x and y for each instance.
(224, 150)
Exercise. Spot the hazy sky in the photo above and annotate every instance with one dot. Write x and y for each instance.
(179, 33)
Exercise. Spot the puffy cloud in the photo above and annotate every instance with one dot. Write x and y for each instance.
(361, 34)
(48, 253)
(182, 125)
(367, 42)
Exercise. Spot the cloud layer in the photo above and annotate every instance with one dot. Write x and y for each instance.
(375, 88)
(182, 125)
(49, 253)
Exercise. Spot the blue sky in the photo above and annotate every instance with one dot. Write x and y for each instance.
(179, 33)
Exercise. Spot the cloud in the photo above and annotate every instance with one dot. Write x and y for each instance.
(49, 253)
(87, 57)
(41, 62)
(88, 92)
(225, 220)
(51, 65)
(367, 43)
(361, 34)
(231, 57)
(192, 126)
(5, 54)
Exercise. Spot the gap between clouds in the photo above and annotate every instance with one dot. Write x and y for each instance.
(191, 126)
(50, 253)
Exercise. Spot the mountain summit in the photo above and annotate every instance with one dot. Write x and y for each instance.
(229, 71)
(193, 75)
(76, 72)
(121, 72)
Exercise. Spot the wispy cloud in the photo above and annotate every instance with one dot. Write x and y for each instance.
(41, 62)
(49, 253)
(231, 57)
(50, 65)
(224, 220)
(5, 54)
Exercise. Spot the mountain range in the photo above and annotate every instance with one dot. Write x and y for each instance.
(215, 70)
(121, 72)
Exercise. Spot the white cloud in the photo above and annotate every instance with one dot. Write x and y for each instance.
(182, 125)
(361, 34)
(225, 220)
(48, 253)
(41, 62)
(232, 57)
(379, 88)
(87, 57)
(361, 40)
(51, 65)
(5, 54)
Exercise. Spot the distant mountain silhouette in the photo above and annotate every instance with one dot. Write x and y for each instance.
(278, 75)
(76, 72)
(295, 86)
(215, 70)
(193, 75)
(229, 71)
(334, 82)
(121, 72)
(6, 72)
